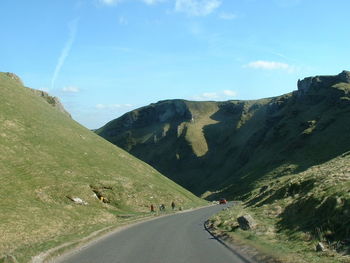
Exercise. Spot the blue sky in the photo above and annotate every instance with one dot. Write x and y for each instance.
(103, 58)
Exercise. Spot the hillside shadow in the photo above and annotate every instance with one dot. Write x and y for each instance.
(324, 220)
(273, 137)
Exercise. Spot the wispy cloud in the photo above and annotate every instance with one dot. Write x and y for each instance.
(190, 7)
(227, 16)
(230, 93)
(197, 7)
(210, 95)
(287, 3)
(221, 95)
(73, 25)
(152, 2)
(114, 2)
(71, 89)
(110, 2)
(112, 106)
(270, 65)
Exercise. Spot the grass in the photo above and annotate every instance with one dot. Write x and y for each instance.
(287, 153)
(223, 148)
(46, 158)
(297, 211)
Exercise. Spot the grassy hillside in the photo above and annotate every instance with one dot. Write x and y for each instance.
(287, 158)
(229, 148)
(46, 159)
(295, 212)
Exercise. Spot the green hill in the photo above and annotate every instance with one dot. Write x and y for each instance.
(287, 158)
(210, 147)
(47, 159)
(294, 213)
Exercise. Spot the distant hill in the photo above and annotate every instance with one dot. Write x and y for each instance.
(230, 148)
(47, 160)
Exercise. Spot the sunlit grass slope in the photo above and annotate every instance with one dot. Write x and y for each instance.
(46, 159)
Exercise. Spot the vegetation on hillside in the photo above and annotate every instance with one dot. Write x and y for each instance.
(286, 158)
(47, 160)
(295, 212)
(225, 148)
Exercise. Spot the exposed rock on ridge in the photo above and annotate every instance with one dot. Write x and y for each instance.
(14, 77)
(319, 82)
(53, 101)
(160, 112)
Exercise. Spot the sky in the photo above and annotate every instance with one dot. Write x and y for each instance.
(103, 58)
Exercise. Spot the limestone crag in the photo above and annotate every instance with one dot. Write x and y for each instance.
(319, 82)
(53, 101)
(14, 77)
(160, 112)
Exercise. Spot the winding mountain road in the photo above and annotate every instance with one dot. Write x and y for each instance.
(179, 238)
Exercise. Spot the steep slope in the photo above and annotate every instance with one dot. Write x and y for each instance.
(47, 160)
(216, 148)
(294, 213)
(53, 101)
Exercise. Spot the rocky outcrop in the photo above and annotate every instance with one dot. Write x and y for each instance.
(14, 77)
(320, 247)
(163, 111)
(77, 200)
(319, 82)
(53, 101)
(246, 222)
(160, 112)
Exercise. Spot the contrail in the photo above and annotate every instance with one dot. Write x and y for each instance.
(65, 51)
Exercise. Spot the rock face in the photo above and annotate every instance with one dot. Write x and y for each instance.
(322, 81)
(246, 222)
(163, 111)
(320, 247)
(14, 77)
(78, 200)
(53, 101)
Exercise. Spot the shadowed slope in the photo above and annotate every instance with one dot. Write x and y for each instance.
(210, 147)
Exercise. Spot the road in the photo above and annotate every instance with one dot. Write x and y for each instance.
(180, 238)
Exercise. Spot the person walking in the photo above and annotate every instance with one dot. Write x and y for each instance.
(152, 208)
(173, 205)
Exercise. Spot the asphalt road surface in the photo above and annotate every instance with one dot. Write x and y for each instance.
(180, 238)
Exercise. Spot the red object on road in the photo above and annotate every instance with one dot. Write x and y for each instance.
(222, 201)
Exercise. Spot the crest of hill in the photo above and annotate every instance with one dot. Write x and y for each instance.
(47, 160)
(228, 148)
(53, 101)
